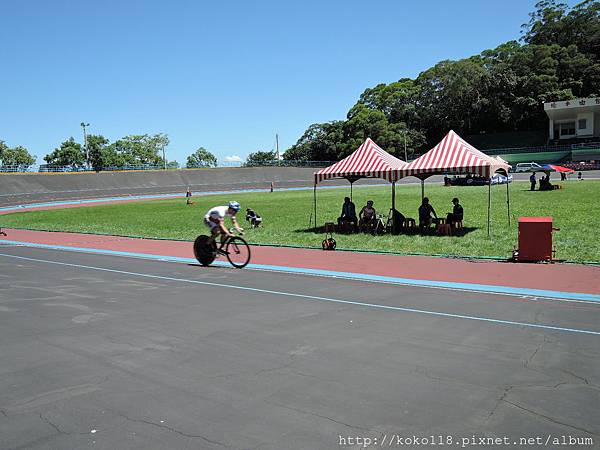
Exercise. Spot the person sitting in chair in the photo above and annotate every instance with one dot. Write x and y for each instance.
(457, 213)
(367, 216)
(397, 222)
(348, 214)
(545, 184)
(425, 211)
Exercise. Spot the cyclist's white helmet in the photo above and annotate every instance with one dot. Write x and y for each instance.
(235, 206)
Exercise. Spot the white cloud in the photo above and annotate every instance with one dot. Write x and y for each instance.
(233, 158)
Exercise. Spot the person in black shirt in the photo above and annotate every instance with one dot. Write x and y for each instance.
(532, 181)
(425, 211)
(348, 213)
(457, 213)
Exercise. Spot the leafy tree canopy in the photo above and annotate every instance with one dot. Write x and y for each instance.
(139, 149)
(259, 157)
(499, 90)
(17, 157)
(201, 158)
(70, 153)
(99, 152)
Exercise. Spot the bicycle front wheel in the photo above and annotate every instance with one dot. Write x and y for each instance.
(204, 251)
(238, 252)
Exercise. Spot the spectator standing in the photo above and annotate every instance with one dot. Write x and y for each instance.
(533, 181)
(188, 196)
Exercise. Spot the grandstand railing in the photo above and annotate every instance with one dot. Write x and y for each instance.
(15, 169)
(47, 168)
(284, 163)
(545, 148)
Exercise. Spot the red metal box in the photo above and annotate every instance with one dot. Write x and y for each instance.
(535, 239)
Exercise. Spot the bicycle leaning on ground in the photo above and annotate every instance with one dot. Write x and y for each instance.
(235, 248)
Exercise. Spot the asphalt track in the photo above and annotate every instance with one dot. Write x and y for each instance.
(113, 352)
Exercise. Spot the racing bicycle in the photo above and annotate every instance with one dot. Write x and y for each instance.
(235, 248)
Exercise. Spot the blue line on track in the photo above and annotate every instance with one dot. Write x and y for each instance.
(491, 289)
(317, 298)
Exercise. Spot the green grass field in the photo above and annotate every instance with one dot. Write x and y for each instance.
(286, 214)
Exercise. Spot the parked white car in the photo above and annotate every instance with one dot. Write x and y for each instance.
(526, 167)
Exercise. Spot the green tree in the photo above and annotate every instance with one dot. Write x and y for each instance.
(320, 142)
(3, 147)
(553, 23)
(259, 158)
(140, 149)
(201, 158)
(499, 90)
(100, 156)
(70, 153)
(17, 157)
(397, 100)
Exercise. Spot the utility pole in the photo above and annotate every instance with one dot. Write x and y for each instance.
(87, 152)
(277, 146)
(164, 159)
(405, 154)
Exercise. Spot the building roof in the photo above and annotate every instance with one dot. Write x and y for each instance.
(566, 109)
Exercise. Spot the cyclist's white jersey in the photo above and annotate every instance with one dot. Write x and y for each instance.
(218, 212)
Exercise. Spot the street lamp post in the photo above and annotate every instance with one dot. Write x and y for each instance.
(87, 152)
(405, 154)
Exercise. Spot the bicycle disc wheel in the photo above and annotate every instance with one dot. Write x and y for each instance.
(238, 252)
(203, 251)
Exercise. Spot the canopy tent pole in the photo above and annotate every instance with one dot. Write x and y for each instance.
(507, 201)
(422, 189)
(489, 205)
(393, 205)
(352, 179)
(315, 204)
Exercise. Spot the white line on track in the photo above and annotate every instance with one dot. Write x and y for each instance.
(296, 271)
(313, 298)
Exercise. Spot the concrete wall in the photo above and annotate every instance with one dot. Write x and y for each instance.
(171, 180)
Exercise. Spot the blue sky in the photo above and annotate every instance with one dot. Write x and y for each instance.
(223, 75)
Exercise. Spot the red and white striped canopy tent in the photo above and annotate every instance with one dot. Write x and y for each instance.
(456, 156)
(367, 161)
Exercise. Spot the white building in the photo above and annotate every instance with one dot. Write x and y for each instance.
(573, 119)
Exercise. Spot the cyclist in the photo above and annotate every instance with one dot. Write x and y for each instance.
(214, 219)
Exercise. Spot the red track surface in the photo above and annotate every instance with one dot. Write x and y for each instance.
(557, 277)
